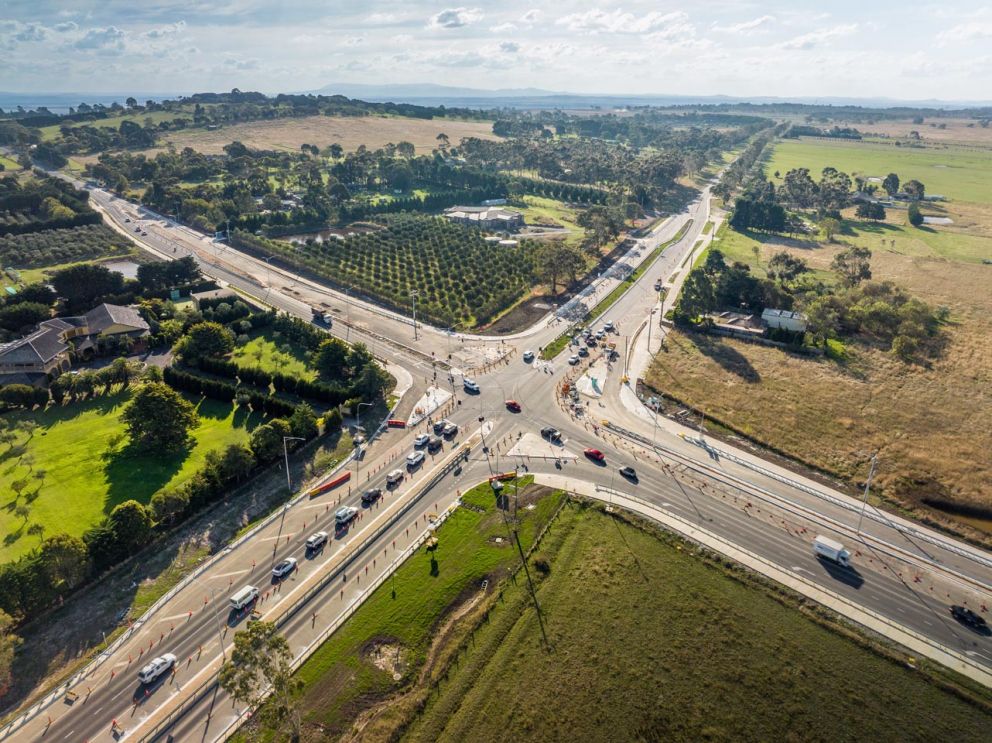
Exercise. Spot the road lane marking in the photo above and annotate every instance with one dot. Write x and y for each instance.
(228, 575)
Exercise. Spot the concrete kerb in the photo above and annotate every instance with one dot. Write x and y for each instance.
(347, 612)
(798, 510)
(97, 662)
(415, 495)
(882, 625)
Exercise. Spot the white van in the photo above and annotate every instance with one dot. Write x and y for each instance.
(415, 459)
(245, 597)
(394, 477)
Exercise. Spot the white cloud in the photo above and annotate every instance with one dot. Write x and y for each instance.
(738, 28)
(965, 32)
(164, 32)
(510, 47)
(503, 28)
(531, 17)
(455, 18)
(109, 39)
(618, 22)
(817, 38)
(66, 27)
(241, 64)
(354, 41)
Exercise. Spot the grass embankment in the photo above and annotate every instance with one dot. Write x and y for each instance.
(265, 352)
(77, 466)
(342, 678)
(650, 642)
(558, 344)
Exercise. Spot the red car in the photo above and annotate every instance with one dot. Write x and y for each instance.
(595, 454)
(513, 406)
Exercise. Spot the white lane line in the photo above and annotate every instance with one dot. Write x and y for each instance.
(228, 575)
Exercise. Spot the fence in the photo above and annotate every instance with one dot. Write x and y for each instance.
(206, 686)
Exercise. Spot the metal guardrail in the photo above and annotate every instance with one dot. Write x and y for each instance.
(816, 586)
(873, 515)
(290, 611)
(95, 664)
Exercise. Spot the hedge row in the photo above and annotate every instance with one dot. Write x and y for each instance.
(217, 389)
(332, 395)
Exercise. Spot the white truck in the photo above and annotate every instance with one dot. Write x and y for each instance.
(831, 549)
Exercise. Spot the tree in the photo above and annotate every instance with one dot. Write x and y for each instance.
(331, 359)
(82, 284)
(870, 210)
(830, 227)
(130, 523)
(236, 463)
(786, 267)
(131, 102)
(914, 215)
(9, 642)
(359, 358)
(698, 296)
(266, 440)
(64, 561)
(915, 189)
(891, 184)
(834, 189)
(372, 382)
(798, 188)
(261, 662)
(555, 260)
(853, 265)
(158, 417)
(40, 293)
(205, 340)
(303, 422)
(23, 315)
(168, 505)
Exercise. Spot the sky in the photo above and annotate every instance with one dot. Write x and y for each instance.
(883, 48)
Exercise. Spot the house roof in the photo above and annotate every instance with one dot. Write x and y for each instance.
(102, 317)
(481, 213)
(42, 345)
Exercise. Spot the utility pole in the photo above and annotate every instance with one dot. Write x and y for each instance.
(413, 295)
(358, 427)
(289, 486)
(864, 502)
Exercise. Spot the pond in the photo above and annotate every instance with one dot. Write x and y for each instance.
(128, 268)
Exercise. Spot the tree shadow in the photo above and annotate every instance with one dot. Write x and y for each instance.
(137, 474)
(214, 409)
(729, 359)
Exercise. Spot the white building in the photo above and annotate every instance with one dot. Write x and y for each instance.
(785, 319)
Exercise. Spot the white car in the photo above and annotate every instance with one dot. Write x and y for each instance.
(345, 514)
(528, 356)
(316, 540)
(415, 459)
(421, 440)
(573, 360)
(156, 668)
(470, 385)
(284, 568)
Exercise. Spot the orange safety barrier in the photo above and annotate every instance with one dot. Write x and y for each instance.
(502, 476)
(340, 480)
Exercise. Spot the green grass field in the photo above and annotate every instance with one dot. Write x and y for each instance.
(51, 132)
(651, 643)
(340, 678)
(272, 355)
(77, 468)
(957, 173)
(10, 166)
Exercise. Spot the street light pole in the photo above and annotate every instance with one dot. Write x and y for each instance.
(285, 454)
(358, 428)
(413, 296)
(864, 502)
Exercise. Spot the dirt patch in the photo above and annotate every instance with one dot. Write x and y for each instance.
(388, 656)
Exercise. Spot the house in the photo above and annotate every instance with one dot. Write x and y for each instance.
(49, 350)
(486, 217)
(784, 320)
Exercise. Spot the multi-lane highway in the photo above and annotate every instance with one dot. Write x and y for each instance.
(903, 572)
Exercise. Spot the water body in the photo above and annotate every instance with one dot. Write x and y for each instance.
(59, 103)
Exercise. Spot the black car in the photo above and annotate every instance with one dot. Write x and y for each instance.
(371, 496)
(629, 472)
(967, 617)
(434, 444)
(552, 434)
(439, 425)
(583, 352)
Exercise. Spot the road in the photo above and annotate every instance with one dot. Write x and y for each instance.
(902, 571)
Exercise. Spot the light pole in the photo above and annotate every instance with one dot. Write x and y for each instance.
(413, 296)
(864, 503)
(650, 323)
(285, 454)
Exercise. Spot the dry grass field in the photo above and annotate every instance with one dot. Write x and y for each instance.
(933, 426)
(348, 131)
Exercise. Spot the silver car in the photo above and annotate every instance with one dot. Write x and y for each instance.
(284, 568)
(156, 668)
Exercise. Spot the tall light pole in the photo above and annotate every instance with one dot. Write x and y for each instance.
(413, 296)
(285, 454)
(864, 503)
